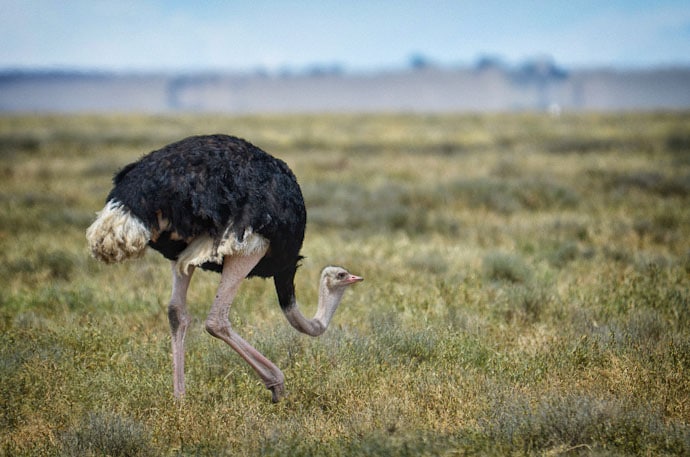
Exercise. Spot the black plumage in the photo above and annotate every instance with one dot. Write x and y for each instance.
(203, 184)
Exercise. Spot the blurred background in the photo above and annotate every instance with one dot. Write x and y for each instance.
(271, 56)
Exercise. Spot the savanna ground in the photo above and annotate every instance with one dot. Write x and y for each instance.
(527, 292)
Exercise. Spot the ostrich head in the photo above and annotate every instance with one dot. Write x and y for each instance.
(336, 278)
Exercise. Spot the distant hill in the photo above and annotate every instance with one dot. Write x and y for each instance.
(488, 86)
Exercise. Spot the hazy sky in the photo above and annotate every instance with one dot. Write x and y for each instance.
(359, 35)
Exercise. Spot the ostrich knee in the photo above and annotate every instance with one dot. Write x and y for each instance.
(217, 326)
(179, 320)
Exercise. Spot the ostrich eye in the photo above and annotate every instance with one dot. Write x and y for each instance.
(342, 275)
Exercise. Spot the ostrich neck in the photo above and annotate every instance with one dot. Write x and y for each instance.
(328, 303)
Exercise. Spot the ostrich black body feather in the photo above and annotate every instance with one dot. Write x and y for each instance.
(204, 185)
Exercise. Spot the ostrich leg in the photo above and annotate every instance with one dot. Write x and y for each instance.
(179, 319)
(235, 269)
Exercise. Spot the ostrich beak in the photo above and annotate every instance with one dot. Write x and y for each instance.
(353, 279)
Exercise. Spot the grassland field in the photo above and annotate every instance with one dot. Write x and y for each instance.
(527, 292)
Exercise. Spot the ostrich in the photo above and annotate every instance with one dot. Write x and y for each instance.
(218, 203)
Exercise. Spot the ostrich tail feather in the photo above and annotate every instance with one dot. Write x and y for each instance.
(117, 235)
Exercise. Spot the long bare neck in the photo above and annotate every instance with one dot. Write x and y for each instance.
(328, 303)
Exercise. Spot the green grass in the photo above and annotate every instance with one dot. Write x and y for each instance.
(527, 292)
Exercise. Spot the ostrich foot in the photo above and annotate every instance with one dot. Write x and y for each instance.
(277, 392)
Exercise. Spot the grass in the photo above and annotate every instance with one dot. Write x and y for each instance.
(527, 292)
